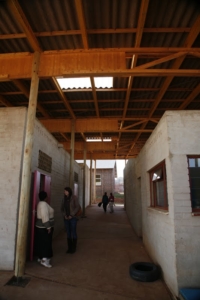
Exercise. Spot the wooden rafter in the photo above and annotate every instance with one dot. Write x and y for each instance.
(81, 18)
(5, 102)
(140, 27)
(26, 92)
(94, 96)
(189, 99)
(63, 97)
(20, 17)
(188, 43)
(95, 31)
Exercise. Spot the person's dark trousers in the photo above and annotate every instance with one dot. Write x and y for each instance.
(105, 206)
(70, 226)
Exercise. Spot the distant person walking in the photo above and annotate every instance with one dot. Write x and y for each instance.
(111, 200)
(105, 201)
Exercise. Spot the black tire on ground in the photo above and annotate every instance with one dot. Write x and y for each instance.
(144, 271)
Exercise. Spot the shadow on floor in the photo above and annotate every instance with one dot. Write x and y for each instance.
(99, 270)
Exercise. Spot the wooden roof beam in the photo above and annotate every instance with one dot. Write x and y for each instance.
(5, 102)
(191, 97)
(81, 19)
(161, 60)
(95, 31)
(20, 17)
(188, 43)
(64, 99)
(94, 96)
(26, 92)
(140, 27)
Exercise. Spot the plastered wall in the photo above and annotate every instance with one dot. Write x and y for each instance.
(12, 131)
(171, 238)
(133, 197)
(12, 122)
(184, 139)
(45, 142)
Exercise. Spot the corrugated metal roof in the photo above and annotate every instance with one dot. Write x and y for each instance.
(137, 102)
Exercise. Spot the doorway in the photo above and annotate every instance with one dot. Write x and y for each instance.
(41, 182)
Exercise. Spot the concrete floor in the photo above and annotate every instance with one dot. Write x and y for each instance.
(99, 270)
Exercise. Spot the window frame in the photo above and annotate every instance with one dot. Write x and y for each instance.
(194, 209)
(153, 186)
(98, 183)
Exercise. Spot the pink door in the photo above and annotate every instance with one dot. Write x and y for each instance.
(40, 182)
(47, 187)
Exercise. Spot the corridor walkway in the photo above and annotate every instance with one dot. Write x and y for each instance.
(99, 270)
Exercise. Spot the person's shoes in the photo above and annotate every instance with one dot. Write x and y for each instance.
(74, 243)
(39, 260)
(45, 263)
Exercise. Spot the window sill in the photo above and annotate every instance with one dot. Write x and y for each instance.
(161, 211)
(195, 214)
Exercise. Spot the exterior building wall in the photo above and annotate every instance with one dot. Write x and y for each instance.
(107, 181)
(12, 132)
(133, 197)
(45, 142)
(171, 238)
(87, 185)
(184, 137)
(12, 124)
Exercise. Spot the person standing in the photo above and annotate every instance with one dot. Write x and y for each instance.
(105, 201)
(44, 230)
(111, 200)
(69, 208)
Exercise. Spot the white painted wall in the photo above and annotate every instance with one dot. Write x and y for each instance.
(133, 197)
(12, 122)
(184, 139)
(45, 142)
(12, 128)
(172, 239)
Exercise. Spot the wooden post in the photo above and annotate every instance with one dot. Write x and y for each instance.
(71, 177)
(90, 181)
(94, 198)
(84, 181)
(20, 257)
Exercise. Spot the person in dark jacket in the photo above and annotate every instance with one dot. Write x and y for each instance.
(105, 201)
(69, 207)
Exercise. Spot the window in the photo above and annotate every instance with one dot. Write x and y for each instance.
(98, 179)
(158, 186)
(194, 176)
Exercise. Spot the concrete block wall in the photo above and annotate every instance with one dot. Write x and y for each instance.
(184, 137)
(12, 123)
(171, 238)
(12, 132)
(107, 180)
(87, 185)
(45, 142)
(133, 197)
(157, 225)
